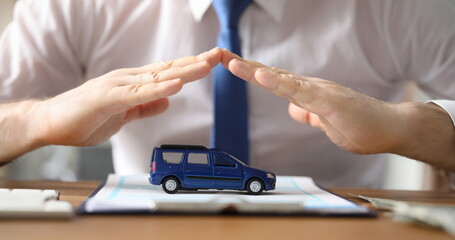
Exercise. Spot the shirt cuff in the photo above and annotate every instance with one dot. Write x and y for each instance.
(448, 106)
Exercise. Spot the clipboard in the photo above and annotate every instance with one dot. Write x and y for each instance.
(299, 196)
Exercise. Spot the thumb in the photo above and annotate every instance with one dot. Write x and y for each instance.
(304, 116)
(147, 109)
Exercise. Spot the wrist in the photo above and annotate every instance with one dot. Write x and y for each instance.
(18, 125)
(426, 133)
(31, 115)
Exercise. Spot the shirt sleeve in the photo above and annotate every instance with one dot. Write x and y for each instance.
(448, 106)
(37, 51)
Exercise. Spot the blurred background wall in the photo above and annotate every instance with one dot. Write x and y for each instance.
(71, 163)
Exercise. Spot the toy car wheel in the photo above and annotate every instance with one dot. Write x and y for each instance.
(255, 186)
(171, 185)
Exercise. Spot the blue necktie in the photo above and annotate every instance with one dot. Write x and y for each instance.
(230, 130)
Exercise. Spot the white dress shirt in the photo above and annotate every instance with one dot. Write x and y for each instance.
(373, 47)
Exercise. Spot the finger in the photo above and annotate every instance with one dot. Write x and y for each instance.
(243, 70)
(308, 93)
(304, 116)
(132, 95)
(228, 56)
(247, 69)
(186, 73)
(148, 109)
(284, 85)
(213, 57)
(240, 67)
(311, 93)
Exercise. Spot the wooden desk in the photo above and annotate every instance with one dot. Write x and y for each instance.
(217, 227)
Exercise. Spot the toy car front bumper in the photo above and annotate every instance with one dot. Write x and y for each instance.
(271, 184)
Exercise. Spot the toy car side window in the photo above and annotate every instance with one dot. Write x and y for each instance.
(221, 161)
(172, 157)
(198, 158)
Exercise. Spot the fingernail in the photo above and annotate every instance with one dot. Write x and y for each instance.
(213, 50)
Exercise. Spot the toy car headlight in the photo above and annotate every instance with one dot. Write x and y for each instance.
(270, 175)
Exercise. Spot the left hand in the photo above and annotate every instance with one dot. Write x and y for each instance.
(92, 112)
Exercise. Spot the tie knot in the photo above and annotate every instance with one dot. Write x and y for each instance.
(229, 11)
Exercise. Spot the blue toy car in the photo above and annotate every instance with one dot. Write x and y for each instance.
(188, 167)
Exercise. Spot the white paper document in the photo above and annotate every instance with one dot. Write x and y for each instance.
(293, 195)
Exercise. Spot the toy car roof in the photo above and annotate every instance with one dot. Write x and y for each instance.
(183, 147)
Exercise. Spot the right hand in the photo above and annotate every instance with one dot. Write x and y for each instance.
(353, 121)
(94, 111)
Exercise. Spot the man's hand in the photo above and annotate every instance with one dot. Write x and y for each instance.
(94, 111)
(353, 121)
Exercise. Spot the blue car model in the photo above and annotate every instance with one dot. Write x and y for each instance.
(197, 167)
